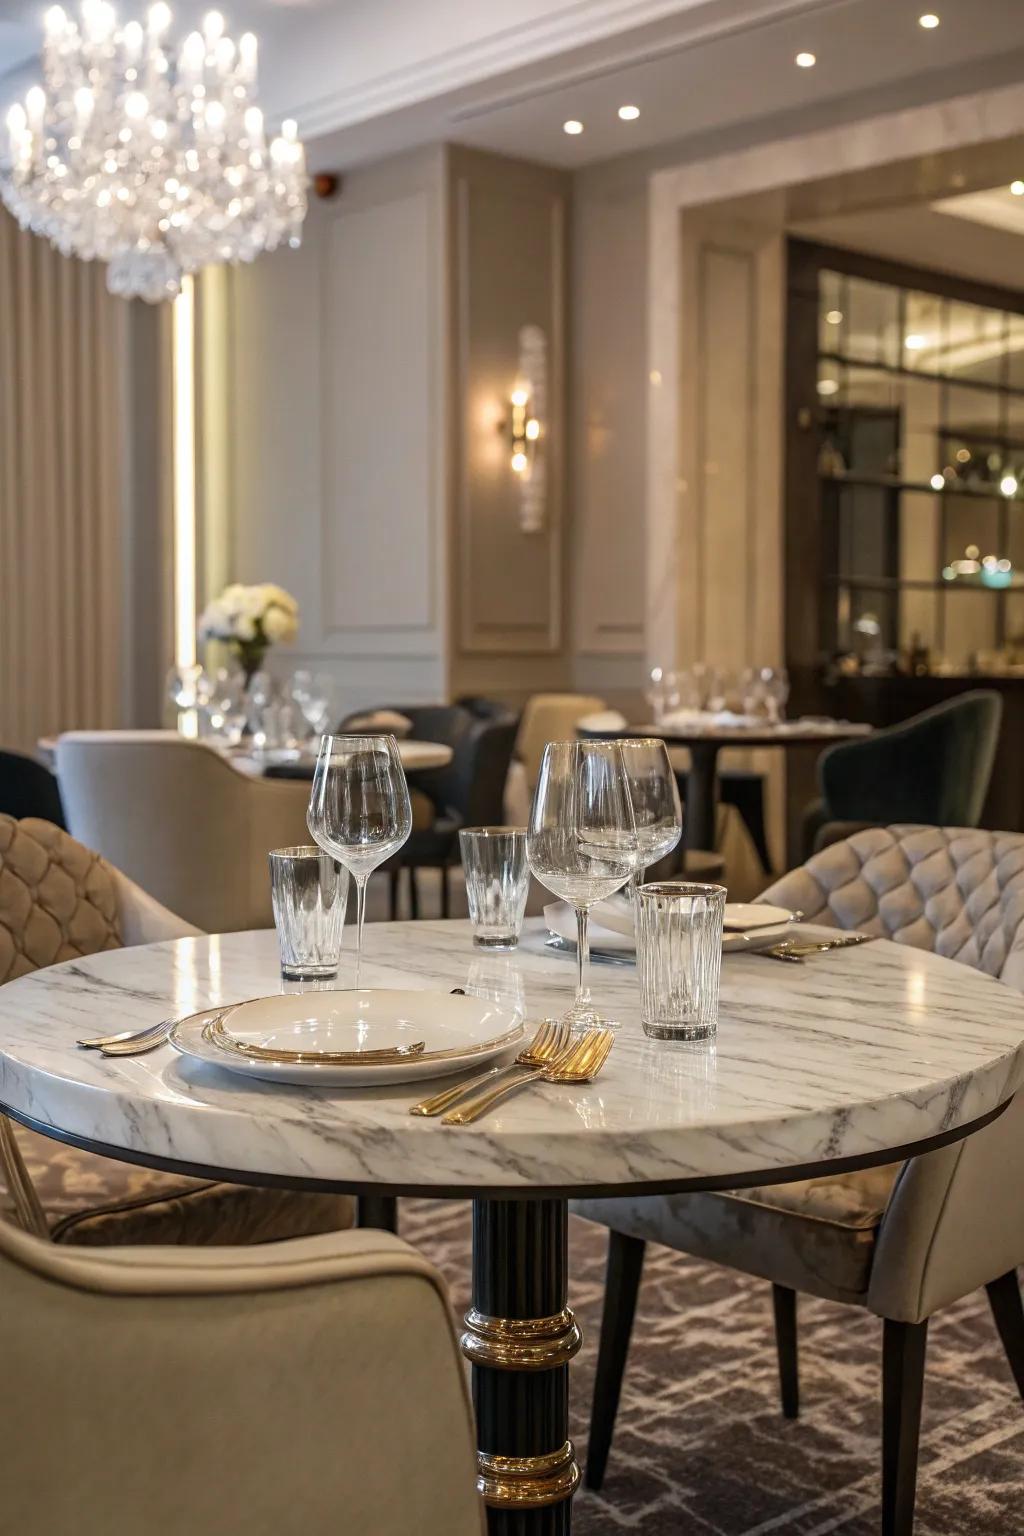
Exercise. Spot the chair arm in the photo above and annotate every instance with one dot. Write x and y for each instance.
(313, 1385)
(954, 1222)
(141, 917)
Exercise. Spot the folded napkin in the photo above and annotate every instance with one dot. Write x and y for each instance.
(709, 719)
(388, 721)
(611, 928)
(606, 721)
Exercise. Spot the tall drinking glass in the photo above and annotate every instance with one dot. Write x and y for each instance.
(359, 810)
(654, 794)
(582, 841)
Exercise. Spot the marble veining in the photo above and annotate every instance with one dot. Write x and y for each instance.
(854, 1053)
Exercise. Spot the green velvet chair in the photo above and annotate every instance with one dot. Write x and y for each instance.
(932, 770)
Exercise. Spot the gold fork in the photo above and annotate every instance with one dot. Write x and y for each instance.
(550, 1041)
(579, 1064)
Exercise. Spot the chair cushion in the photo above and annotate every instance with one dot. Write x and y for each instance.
(97, 1202)
(816, 1235)
(58, 899)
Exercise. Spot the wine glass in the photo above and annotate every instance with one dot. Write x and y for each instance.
(654, 795)
(775, 682)
(359, 809)
(582, 841)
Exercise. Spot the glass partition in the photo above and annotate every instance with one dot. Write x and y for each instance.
(920, 441)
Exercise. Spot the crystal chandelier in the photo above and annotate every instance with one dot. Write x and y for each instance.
(155, 164)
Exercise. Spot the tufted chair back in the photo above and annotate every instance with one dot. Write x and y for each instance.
(957, 891)
(954, 1220)
(58, 899)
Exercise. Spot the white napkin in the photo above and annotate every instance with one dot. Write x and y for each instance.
(611, 928)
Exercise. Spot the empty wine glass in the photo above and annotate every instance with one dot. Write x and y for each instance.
(582, 841)
(359, 810)
(775, 684)
(654, 795)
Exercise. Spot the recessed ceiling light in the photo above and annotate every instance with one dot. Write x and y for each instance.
(929, 21)
(629, 114)
(834, 317)
(806, 60)
(1017, 188)
(915, 343)
(572, 125)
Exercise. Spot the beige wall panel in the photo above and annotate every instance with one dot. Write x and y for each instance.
(509, 226)
(338, 379)
(380, 419)
(610, 383)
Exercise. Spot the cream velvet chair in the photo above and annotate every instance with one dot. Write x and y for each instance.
(901, 1240)
(175, 816)
(60, 901)
(549, 717)
(312, 1386)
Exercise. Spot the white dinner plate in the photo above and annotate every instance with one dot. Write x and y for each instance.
(456, 1032)
(741, 916)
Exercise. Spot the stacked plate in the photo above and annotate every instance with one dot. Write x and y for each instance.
(351, 1039)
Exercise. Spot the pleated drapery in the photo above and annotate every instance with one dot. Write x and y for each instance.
(61, 492)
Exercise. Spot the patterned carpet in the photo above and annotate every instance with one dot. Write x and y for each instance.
(701, 1448)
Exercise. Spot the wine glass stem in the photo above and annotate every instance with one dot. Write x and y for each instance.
(582, 957)
(360, 915)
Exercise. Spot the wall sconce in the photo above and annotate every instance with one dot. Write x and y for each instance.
(526, 428)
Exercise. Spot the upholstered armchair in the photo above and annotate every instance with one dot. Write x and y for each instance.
(902, 1240)
(60, 901)
(312, 1386)
(175, 816)
(933, 768)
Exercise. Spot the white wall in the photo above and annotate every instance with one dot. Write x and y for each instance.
(338, 422)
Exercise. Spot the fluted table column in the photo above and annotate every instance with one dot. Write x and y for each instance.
(520, 1337)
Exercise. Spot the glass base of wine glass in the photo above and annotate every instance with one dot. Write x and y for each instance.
(582, 1015)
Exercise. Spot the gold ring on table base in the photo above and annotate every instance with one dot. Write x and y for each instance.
(527, 1482)
(521, 1343)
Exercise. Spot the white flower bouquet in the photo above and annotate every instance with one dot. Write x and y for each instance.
(251, 620)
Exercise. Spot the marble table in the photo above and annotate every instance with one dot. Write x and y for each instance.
(705, 741)
(853, 1059)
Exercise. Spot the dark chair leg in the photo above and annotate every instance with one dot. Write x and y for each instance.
(622, 1282)
(1008, 1311)
(446, 905)
(394, 876)
(414, 895)
(378, 1211)
(903, 1351)
(784, 1306)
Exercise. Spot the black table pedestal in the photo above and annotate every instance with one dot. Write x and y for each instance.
(520, 1336)
(701, 796)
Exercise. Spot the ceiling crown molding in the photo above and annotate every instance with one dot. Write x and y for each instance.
(579, 25)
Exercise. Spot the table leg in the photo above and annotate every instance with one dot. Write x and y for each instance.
(520, 1336)
(380, 1211)
(701, 796)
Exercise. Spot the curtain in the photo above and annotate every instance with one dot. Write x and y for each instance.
(62, 415)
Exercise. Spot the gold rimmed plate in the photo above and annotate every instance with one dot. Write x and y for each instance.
(353, 1038)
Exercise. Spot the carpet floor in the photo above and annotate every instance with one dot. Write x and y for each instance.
(701, 1448)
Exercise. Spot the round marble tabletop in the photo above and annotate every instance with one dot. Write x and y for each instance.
(848, 1056)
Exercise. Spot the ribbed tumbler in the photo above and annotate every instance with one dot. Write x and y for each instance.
(497, 883)
(679, 957)
(309, 893)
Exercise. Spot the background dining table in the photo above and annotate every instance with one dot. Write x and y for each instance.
(705, 740)
(856, 1058)
(416, 756)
